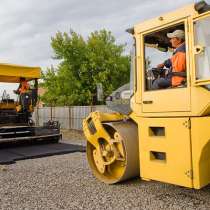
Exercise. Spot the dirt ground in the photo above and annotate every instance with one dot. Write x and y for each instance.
(75, 136)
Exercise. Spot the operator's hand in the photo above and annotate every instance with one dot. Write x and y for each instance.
(167, 71)
(160, 66)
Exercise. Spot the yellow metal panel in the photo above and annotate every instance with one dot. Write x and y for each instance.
(166, 18)
(96, 119)
(200, 151)
(12, 73)
(175, 143)
(7, 106)
(138, 66)
(165, 100)
(198, 94)
(201, 95)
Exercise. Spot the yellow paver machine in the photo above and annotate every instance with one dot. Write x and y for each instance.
(163, 134)
(16, 124)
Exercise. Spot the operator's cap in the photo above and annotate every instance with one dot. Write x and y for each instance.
(177, 33)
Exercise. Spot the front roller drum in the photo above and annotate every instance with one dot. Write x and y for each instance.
(119, 160)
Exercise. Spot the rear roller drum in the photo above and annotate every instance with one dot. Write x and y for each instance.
(117, 159)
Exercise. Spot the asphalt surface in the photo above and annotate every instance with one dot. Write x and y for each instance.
(11, 155)
(65, 182)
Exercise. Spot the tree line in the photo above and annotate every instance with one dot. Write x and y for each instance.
(82, 65)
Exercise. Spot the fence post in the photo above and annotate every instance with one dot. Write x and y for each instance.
(69, 117)
(37, 116)
(91, 108)
(51, 113)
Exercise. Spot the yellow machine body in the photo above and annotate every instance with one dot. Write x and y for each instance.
(184, 145)
(12, 73)
(16, 123)
(8, 106)
(168, 129)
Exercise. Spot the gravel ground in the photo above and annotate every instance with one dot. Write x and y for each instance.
(65, 182)
(73, 136)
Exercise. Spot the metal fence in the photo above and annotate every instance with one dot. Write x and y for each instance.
(70, 117)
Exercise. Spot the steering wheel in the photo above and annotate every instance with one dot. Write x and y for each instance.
(153, 74)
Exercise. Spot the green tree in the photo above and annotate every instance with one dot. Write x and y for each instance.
(84, 64)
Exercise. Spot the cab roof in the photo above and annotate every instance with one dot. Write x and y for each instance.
(163, 20)
(12, 73)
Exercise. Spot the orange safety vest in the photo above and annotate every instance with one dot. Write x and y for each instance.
(178, 64)
(24, 87)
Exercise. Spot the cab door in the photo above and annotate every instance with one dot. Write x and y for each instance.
(168, 99)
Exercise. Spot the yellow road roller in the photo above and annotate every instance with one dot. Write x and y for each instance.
(159, 133)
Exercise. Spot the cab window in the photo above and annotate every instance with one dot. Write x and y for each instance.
(165, 65)
(202, 48)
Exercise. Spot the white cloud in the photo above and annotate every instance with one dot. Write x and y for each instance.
(27, 25)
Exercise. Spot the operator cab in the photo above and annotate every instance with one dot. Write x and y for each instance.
(157, 49)
(18, 109)
(153, 47)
